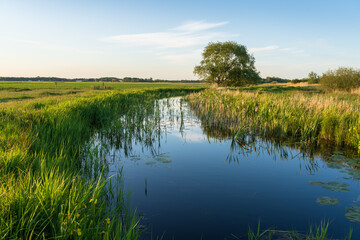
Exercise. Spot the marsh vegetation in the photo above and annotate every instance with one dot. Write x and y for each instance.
(131, 162)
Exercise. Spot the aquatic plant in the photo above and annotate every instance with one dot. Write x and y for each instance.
(327, 201)
(337, 186)
(333, 186)
(318, 183)
(353, 213)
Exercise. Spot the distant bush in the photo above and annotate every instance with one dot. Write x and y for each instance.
(313, 78)
(275, 79)
(294, 81)
(341, 79)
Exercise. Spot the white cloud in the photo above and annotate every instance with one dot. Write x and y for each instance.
(286, 49)
(187, 35)
(262, 49)
(198, 26)
(165, 39)
(191, 136)
(194, 56)
(57, 47)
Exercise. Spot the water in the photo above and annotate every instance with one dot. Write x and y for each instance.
(188, 184)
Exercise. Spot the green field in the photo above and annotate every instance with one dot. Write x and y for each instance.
(47, 189)
(305, 114)
(15, 91)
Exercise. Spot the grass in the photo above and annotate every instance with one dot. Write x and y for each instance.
(49, 186)
(53, 184)
(316, 232)
(310, 118)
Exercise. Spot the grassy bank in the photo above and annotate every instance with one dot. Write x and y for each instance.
(45, 190)
(311, 118)
(20, 91)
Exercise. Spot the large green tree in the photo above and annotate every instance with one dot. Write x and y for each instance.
(227, 63)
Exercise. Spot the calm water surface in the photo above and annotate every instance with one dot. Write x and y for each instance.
(187, 185)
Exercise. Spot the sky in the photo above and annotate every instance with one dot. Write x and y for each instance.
(165, 39)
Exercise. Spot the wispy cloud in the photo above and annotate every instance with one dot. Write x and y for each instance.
(198, 26)
(262, 49)
(187, 35)
(274, 49)
(57, 47)
(182, 58)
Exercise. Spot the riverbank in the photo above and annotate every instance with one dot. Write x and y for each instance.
(310, 118)
(45, 190)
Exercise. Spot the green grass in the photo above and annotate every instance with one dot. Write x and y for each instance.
(27, 86)
(49, 186)
(310, 118)
(315, 232)
(279, 88)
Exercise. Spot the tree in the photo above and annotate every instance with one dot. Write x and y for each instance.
(227, 63)
(313, 77)
(342, 78)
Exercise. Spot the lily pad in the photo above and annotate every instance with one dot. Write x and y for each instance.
(353, 172)
(335, 165)
(150, 163)
(353, 214)
(166, 161)
(135, 158)
(317, 183)
(337, 157)
(337, 186)
(163, 158)
(327, 201)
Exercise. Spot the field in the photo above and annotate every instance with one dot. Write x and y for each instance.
(301, 114)
(13, 91)
(53, 185)
(46, 190)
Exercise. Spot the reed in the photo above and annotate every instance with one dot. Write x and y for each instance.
(46, 188)
(310, 118)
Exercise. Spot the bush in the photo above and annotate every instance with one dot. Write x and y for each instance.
(295, 81)
(341, 79)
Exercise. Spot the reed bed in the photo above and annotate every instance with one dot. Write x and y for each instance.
(309, 118)
(45, 190)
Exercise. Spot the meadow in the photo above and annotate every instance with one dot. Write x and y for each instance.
(305, 114)
(46, 190)
(53, 185)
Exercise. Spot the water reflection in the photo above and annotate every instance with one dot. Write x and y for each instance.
(185, 160)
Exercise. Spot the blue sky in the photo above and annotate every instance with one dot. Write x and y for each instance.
(164, 39)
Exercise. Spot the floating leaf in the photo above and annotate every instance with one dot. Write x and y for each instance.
(335, 165)
(353, 214)
(353, 172)
(327, 201)
(150, 163)
(337, 157)
(337, 186)
(163, 158)
(318, 183)
(135, 158)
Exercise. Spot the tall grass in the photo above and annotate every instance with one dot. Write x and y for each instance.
(45, 192)
(309, 118)
(315, 232)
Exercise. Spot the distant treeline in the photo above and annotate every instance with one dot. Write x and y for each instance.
(104, 79)
(275, 79)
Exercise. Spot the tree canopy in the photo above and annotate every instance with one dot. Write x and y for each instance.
(227, 63)
(342, 78)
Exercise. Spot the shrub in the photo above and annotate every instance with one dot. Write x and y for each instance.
(341, 79)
